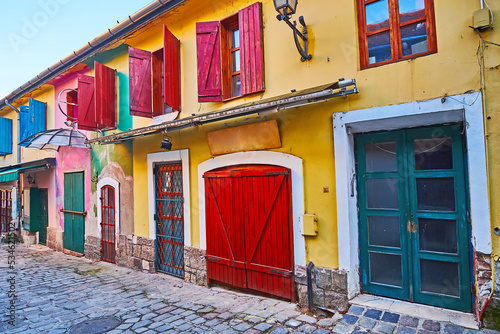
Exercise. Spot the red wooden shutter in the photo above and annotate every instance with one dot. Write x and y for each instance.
(172, 68)
(209, 64)
(86, 103)
(252, 49)
(140, 82)
(105, 101)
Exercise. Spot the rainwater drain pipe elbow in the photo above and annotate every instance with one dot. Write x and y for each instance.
(310, 267)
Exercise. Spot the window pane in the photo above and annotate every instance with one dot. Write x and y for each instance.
(381, 157)
(235, 39)
(436, 194)
(235, 61)
(414, 39)
(383, 231)
(379, 47)
(236, 85)
(438, 235)
(382, 193)
(439, 277)
(377, 15)
(433, 153)
(411, 10)
(386, 269)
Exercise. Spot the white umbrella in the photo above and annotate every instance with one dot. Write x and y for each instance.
(53, 139)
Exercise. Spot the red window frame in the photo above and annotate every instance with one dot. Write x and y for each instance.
(229, 26)
(394, 27)
(213, 48)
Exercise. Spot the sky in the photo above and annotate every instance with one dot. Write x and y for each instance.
(35, 34)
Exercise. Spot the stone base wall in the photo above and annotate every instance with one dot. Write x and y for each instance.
(491, 318)
(483, 274)
(92, 248)
(136, 252)
(55, 238)
(195, 266)
(329, 288)
(133, 252)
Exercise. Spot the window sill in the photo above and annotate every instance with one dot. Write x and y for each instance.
(392, 61)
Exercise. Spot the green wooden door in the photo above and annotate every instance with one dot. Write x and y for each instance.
(43, 199)
(74, 212)
(413, 216)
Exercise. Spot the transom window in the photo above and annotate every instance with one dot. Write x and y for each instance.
(394, 30)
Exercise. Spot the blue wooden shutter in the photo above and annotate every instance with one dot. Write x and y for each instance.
(33, 118)
(5, 136)
(37, 111)
(25, 123)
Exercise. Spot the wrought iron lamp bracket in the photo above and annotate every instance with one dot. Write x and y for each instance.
(296, 34)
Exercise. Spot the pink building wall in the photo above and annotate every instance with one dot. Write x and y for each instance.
(69, 159)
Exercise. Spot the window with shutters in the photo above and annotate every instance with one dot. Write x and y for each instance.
(154, 85)
(5, 136)
(230, 56)
(395, 30)
(97, 99)
(33, 118)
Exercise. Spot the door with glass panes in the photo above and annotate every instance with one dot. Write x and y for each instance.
(413, 216)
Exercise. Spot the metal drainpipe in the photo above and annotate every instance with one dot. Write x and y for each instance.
(18, 161)
(310, 267)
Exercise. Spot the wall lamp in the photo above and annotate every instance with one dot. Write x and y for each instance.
(166, 144)
(286, 8)
(30, 179)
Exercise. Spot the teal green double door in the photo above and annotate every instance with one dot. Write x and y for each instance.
(413, 213)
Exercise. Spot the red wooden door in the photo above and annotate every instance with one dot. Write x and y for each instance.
(249, 233)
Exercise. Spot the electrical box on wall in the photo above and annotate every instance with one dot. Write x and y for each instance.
(309, 225)
(482, 18)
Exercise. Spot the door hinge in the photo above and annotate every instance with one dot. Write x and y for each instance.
(468, 217)
(154, 217)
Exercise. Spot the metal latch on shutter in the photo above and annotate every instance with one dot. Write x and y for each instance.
(281, 272)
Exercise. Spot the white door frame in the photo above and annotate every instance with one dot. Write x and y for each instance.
(108, 181)
(183, 156)
(465, 108)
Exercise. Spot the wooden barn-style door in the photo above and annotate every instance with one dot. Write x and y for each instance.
(249, 229)
(108, 227)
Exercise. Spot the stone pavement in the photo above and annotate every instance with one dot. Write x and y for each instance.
(56, 291)
(361, 320)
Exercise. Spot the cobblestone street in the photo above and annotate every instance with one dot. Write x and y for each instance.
(57, 291)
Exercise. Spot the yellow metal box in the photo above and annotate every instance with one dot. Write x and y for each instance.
(309, 225)
(482, 18)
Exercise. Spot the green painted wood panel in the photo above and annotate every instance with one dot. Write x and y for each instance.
(44, 216)
(414, 245)
(74, 224)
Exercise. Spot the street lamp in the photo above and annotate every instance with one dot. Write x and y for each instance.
(286, 8)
